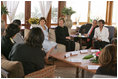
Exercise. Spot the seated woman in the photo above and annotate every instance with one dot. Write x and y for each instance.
(18, 38)
(7, 39)
(62, 36)
(101, 36)
(108, 61)
(30, 53)
(47, 45)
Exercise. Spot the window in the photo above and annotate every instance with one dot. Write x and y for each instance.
(54, 12)
(35, 9)
(20, 12)
(98, 10)
(114, 17)
(81, 8)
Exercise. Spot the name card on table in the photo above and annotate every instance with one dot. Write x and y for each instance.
(83, 51)
(67, 55)
(93, 67)
(74, 53)
(95, 50)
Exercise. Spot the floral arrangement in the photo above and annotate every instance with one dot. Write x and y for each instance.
(4, 10)
(67, 11)
(33, 21)
(93, 56)
(96, 56)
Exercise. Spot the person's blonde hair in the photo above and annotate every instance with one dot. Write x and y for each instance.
(62, 19)
(108, 56)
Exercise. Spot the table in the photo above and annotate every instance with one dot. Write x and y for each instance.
(79, 38)
(82, 65)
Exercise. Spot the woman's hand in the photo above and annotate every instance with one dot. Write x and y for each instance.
(98, 39)
(86, 35)
(68, 37)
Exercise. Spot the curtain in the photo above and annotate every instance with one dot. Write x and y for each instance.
(11, 7)
(45, 7)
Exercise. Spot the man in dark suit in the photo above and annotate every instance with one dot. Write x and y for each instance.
(90, 33)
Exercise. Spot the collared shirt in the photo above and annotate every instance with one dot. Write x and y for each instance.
(103, 34)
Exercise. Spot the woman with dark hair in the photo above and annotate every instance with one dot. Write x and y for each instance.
(47, 45)
(18, 38)
(62, 36)
(101, 35)
(7, 39)
(108, 61)
(30, 53)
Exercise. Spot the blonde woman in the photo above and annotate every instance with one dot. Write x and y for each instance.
(108, 61)
(62, 36)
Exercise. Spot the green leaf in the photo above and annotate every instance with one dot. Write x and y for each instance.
(88, 56)
(4, 10)
(67, 11)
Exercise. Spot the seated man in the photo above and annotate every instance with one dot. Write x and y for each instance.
(18, 38)
(90, 33)
(101, 36)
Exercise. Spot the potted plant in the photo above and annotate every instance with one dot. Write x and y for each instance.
(68, 12)
(34, 22)
(4, 10)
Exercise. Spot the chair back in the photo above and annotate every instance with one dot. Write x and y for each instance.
(47, 72)
(52, 36)
(111, 32)
(11, 69)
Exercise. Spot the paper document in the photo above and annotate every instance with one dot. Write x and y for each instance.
(75, 60)
(94, 67)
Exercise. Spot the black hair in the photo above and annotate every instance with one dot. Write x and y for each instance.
(42, 18)
(35, 37)
(103, 22)
(17, 21)
(12, 30)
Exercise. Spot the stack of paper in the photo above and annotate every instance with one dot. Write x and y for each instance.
(94, 67)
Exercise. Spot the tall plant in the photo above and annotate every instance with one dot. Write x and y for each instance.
(4, 10)
(67, 11)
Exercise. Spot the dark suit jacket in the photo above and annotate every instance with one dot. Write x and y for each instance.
(32, 58)
(61, 34)
(85, 29)
(107, 71)
(6, 46)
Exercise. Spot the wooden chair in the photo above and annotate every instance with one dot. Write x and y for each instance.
(47, 72)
